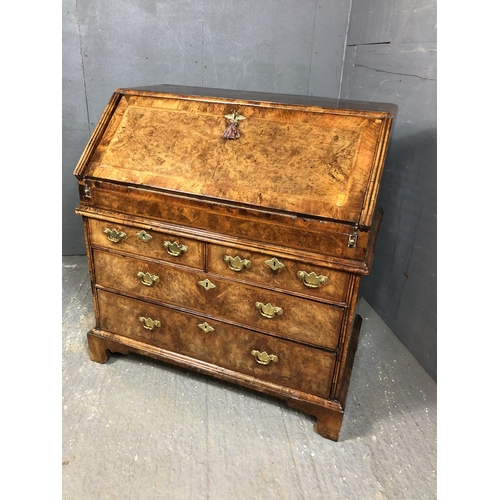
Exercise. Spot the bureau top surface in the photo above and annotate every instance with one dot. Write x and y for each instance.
(308, 156)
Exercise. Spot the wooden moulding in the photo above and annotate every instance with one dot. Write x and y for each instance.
(320, 242)
(329, 414)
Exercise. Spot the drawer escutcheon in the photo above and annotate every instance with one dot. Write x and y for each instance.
(114, 235)
(174, 249)
(143, 236)
(237, 263)
(274, 264)
(206, 284)
(148, 323)
(312, 280)
(263, 358)
(148, 279)
(206, 327)
(267, 310)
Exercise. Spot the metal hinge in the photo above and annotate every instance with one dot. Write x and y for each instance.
(353, 238)
(86, 190)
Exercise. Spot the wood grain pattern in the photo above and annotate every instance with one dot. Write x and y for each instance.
(300, 367)
(308, 234)
(304, 162)
(306, 321)
(301, 180)
(284, 278)
(106, 343)
(320, 237)
(153, 248)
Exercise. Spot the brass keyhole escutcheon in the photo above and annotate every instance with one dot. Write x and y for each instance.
(232, 131)
(143, 236)
(206, 284)
(274, 264)
(206, 327)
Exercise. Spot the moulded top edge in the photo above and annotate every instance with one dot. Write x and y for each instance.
(180, 91)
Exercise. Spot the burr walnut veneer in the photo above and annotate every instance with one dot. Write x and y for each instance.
(227, 232)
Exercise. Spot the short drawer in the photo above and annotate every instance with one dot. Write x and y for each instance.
(280, 314)
(277, 272)
(267, 358)
(165, 246)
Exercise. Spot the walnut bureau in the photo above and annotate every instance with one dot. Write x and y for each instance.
(227, 233)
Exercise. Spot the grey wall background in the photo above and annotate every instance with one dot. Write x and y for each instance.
(382, 50)
(285, 46)
(391, 57)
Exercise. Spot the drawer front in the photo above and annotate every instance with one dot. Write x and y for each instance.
(268, 358)
(165, 246)
(266, 269)
(280, 314)
(326, 238)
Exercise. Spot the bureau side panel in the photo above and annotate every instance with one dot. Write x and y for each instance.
(87, 232)
(348, 345)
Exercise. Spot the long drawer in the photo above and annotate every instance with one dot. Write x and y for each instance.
(276, 360)
(265, 310)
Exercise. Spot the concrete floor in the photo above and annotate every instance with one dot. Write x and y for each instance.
(134, 428)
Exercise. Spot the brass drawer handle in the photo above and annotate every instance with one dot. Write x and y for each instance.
(149, 323)
(263, 358)
(267, 310)
(114, 235)
(237, 263)
(206, 327)
(274, 264)
(148, 279)
(174, 249)
(312, 280)
(143, 236)
(206, 284)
